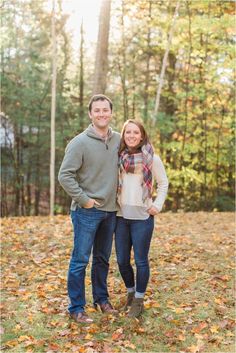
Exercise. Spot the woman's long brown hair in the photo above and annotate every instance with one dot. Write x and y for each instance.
(144, 135)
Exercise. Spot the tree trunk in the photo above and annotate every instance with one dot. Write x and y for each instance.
(37, 186)
(164, 63)
(147, 76)
(122, 68)
(28, 178)
(53, 112)
(219, 134)
(134, 87)
(204, 118)
(101, 64)
(186, 87)
(81, 78)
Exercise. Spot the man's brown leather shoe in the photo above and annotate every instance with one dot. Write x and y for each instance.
(81, 318)
(108, 308)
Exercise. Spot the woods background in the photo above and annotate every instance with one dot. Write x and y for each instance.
(193, 130)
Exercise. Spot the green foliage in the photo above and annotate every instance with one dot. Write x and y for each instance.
(194, 129)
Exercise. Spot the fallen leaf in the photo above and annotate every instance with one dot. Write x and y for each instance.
(88, 336)
(200, 327)
(11, 343)
(178, 310)
(118, 334)
(54, 347)
(129, 345)
(181, 338)
(214, 329)
(193, 349)
(24, 338)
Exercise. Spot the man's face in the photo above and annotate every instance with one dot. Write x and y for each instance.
(101, 114)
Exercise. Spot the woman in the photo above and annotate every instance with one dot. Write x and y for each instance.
(138, 167)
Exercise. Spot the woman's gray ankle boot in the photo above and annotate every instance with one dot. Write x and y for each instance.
(136, 307)
(129, 300)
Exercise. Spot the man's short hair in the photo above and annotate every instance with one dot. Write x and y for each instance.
(99, 97)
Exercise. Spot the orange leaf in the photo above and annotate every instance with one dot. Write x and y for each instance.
(54, 347)
(181, 338)
(200, 327)
(117, 334)
(91, 310)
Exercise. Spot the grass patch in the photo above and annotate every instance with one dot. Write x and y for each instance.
(189, 305)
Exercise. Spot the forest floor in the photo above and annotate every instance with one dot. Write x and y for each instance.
(189, 304)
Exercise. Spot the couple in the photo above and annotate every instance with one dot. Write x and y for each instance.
(100, 168)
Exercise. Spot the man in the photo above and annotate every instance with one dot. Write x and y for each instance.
(89, 175)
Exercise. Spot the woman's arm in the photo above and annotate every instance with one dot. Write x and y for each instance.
(159, 173)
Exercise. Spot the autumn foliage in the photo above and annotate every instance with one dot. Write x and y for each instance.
(189, 303)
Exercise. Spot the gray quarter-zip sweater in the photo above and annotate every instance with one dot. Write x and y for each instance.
(90, 169)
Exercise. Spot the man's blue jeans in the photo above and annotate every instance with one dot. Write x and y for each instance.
(136, 234)
(93, 228)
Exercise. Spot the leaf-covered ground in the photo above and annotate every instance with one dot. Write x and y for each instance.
(189, 302)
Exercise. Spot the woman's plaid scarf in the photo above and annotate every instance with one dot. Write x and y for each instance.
(140, 162)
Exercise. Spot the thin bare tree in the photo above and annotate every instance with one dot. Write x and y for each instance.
(101, 64)
(81, 77)
(164, 63)
(53, 111)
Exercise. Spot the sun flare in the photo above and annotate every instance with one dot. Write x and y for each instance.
(82, 10)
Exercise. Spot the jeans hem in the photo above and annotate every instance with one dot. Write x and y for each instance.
(76, 312)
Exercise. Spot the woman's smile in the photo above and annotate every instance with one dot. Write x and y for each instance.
(132, 135)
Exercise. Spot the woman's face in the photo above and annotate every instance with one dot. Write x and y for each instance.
(132, 135)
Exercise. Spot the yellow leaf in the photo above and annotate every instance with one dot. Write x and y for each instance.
(12, 343)
(176, 322)
(17, 328)
(93, 328)
(193, 349)
(148, 291)
(88, 336)
(178, 310)
(214, 329)
(218, 301)
(24, 338)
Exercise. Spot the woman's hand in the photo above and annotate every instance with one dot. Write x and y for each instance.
(91, 203)
(153, 211)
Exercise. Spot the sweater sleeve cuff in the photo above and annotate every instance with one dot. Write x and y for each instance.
(82, 200)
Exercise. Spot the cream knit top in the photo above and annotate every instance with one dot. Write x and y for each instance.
(130, 199)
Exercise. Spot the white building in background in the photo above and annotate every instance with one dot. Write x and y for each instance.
(7, 138)
(6, 132)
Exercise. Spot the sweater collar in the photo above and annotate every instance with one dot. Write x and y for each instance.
(91, 132)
